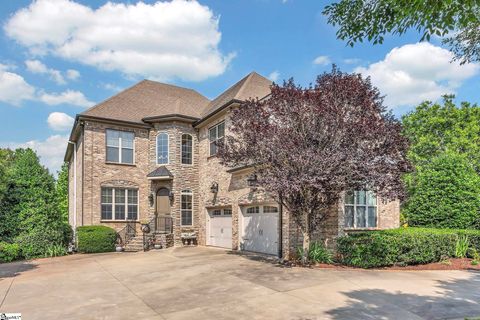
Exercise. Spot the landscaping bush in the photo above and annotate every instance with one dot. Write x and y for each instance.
(92, 239)
(9, 252)
(41, 242)
(404, 246)
(317, 253)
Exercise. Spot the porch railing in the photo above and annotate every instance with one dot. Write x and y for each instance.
(127, 233)
(161, 224)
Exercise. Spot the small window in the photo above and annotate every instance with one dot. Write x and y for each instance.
(187, 149)
(162, 148)
(217, 212)
(216, 136)
(360, 209)
(270, 209)
(227, 212)
(187, 208)
(252, 210)
(119, 204)
(120, 146)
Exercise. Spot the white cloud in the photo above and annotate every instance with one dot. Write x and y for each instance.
(351, 60)
(111, 87)
(71, 97)
(13, 87)
(322, 60)
(50, 151)
(163, 40)
(60, 121)
(274, 76)
(36, 66)
(73, 74)
(416, 72)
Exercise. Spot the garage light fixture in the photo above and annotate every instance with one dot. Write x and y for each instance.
(252, 180)
(214, 187)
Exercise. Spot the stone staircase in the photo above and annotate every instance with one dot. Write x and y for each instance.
(135, 244)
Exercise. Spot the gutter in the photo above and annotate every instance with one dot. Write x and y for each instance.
(170, 117)
(74, 190)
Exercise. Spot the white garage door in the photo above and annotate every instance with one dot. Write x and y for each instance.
(260, 229)
(220, 228)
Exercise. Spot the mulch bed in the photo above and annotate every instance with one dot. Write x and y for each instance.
(451, 264)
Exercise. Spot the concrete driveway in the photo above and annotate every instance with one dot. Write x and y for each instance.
(207, 283)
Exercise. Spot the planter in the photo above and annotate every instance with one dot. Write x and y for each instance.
(145, 228)
(157, 246)
(119, 248)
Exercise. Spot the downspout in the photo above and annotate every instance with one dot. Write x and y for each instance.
(74, 190)
(280, 224)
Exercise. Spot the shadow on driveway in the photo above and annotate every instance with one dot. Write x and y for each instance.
(456, 299)
(13, 269)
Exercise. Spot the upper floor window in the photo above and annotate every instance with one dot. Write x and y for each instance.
(216, 135)
(187, 149)
(360, 209)
(119, 204)
(187, 208)
(162, 148)
(120, 146)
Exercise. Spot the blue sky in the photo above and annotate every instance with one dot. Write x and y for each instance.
(58, 57)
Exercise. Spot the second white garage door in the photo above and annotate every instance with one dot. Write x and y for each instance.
(220, 228)
(260, 229)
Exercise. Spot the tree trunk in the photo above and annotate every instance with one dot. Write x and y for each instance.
(306, 237)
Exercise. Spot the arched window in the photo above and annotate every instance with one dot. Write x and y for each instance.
(162, 148)
(187, 208)
(187, 149)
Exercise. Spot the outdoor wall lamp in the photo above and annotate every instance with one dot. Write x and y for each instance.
(150, 199)
(214, 187)
(171, 196)
(252, 180)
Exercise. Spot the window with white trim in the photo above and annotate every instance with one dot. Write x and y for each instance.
(270, 209)
(119, 204)
(162, 148)
(360, 209)
(186, 208)
(221, 212)
(187, 149)
(216, 135)
(251, 210)
(120, 146)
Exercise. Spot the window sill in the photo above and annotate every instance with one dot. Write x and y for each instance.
(212, 157)
(121, 164)
(360, 229)
(119, 221)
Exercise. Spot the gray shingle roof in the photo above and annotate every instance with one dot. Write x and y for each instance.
(252, 86)
(148, 99)
(160, 172)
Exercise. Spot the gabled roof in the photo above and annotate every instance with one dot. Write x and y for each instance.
(252, 86)
(160, 172)
(150, 99)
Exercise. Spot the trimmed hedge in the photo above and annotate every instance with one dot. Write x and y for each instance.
(9, 252)
(93, 239)
(403, 246)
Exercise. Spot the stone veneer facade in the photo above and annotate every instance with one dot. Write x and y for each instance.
(93, 172)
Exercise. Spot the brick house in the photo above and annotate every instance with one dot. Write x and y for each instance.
(148, 153)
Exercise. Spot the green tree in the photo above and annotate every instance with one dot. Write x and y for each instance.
(61, 192)
(434, 129)
(371, 20)
(8, 221)
(444, 193)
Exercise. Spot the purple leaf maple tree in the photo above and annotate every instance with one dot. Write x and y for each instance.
(309, 145)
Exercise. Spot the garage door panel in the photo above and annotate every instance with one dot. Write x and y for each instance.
(260, 232)
(221, 231)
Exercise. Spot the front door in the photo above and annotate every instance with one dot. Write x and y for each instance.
(162, 209)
